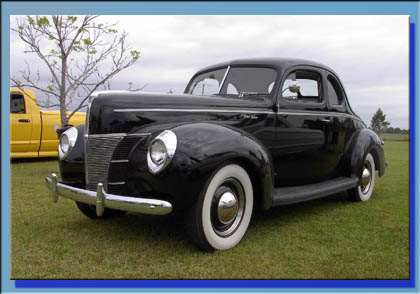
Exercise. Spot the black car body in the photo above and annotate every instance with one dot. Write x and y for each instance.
(287, 123)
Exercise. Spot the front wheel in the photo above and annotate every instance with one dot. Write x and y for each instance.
(221, 215)
(364, 191)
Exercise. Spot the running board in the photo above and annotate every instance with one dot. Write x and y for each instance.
(296, 194)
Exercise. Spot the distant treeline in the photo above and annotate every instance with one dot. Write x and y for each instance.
(391, 130)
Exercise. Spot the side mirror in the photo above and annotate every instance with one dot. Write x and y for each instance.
(294, 87)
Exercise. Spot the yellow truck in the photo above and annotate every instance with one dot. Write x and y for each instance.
(33, 131)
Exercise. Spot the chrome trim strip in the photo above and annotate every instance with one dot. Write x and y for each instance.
(307, 112)
(139, 135)
(86, 135)
(108, 135)
(116, 183)
(119, 160)
(103, 200)
(187, 110)
(223, 80)
(122, 135)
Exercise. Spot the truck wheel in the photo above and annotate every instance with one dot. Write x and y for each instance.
(220, 216)
(90, 211)
(364, 191)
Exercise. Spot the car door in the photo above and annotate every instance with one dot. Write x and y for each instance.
(303, 153)
(20, 123)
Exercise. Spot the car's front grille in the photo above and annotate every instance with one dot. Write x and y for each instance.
(99, 150)
(107, 160)
(119, 163)
(124, 148)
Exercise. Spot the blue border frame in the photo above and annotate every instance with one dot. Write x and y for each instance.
(268, 8)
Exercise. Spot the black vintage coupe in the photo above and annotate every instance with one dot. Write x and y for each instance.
(246, 134)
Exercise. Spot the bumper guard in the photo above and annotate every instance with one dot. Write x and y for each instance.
(103, 200)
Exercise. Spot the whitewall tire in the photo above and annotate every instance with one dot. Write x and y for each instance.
(221, 214)
(363, 192)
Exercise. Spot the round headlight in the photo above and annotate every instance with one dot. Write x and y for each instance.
(67, 141)
(161, 151)
(158, 152)
(64, 143)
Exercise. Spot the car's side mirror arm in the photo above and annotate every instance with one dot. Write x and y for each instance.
(293, 87)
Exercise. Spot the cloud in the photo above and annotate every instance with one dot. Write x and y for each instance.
(369, 53)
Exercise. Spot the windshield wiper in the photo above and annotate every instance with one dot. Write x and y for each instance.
(245, 94)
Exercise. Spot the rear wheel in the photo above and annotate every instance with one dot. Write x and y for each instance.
(364, 191)
(221, 215)
(90, 211)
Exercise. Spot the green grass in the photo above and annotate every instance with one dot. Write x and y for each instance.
(395, 137)
(330, 238)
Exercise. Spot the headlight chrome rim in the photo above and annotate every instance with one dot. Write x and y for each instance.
(71, 135)
(169, 140)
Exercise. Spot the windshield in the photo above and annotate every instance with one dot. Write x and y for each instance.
(207, 83)
(239, 82)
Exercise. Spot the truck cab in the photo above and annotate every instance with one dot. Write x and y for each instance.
(32, 131)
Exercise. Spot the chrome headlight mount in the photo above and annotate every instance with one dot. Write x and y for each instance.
(161, 151)
(67, 141)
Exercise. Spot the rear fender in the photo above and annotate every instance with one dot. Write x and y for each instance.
(361, 143)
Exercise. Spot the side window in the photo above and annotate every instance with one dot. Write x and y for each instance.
(310, 87)
(335, 93)
(17, 103)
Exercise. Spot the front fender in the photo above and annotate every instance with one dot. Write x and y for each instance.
(72, 168)
(361, 143)
(201, 149)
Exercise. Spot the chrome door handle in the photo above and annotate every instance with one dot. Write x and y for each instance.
(325, 120)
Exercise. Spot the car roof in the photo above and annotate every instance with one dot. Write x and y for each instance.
(279, 63)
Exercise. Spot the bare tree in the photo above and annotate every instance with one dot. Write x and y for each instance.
(81, 56)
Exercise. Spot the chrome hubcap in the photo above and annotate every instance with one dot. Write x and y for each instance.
(366, 178)
(227, 208)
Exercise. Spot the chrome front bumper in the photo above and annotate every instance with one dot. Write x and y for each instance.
(102, 200)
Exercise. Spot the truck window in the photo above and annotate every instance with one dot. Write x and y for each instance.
(17, 103)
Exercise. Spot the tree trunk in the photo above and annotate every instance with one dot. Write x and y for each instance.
(63, 110)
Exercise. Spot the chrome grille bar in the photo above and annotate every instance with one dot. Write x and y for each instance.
(99, 150)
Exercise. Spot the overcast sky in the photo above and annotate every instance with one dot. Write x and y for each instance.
(369, 53)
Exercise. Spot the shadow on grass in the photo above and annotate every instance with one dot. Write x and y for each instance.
(36, 159)
(168, 232)
(164, 232)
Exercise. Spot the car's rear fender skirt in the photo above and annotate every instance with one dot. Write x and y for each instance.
(361, 143)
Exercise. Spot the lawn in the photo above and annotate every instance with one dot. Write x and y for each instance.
(395, 137)
(330, 238)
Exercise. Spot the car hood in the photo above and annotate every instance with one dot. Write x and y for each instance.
(122, 112)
